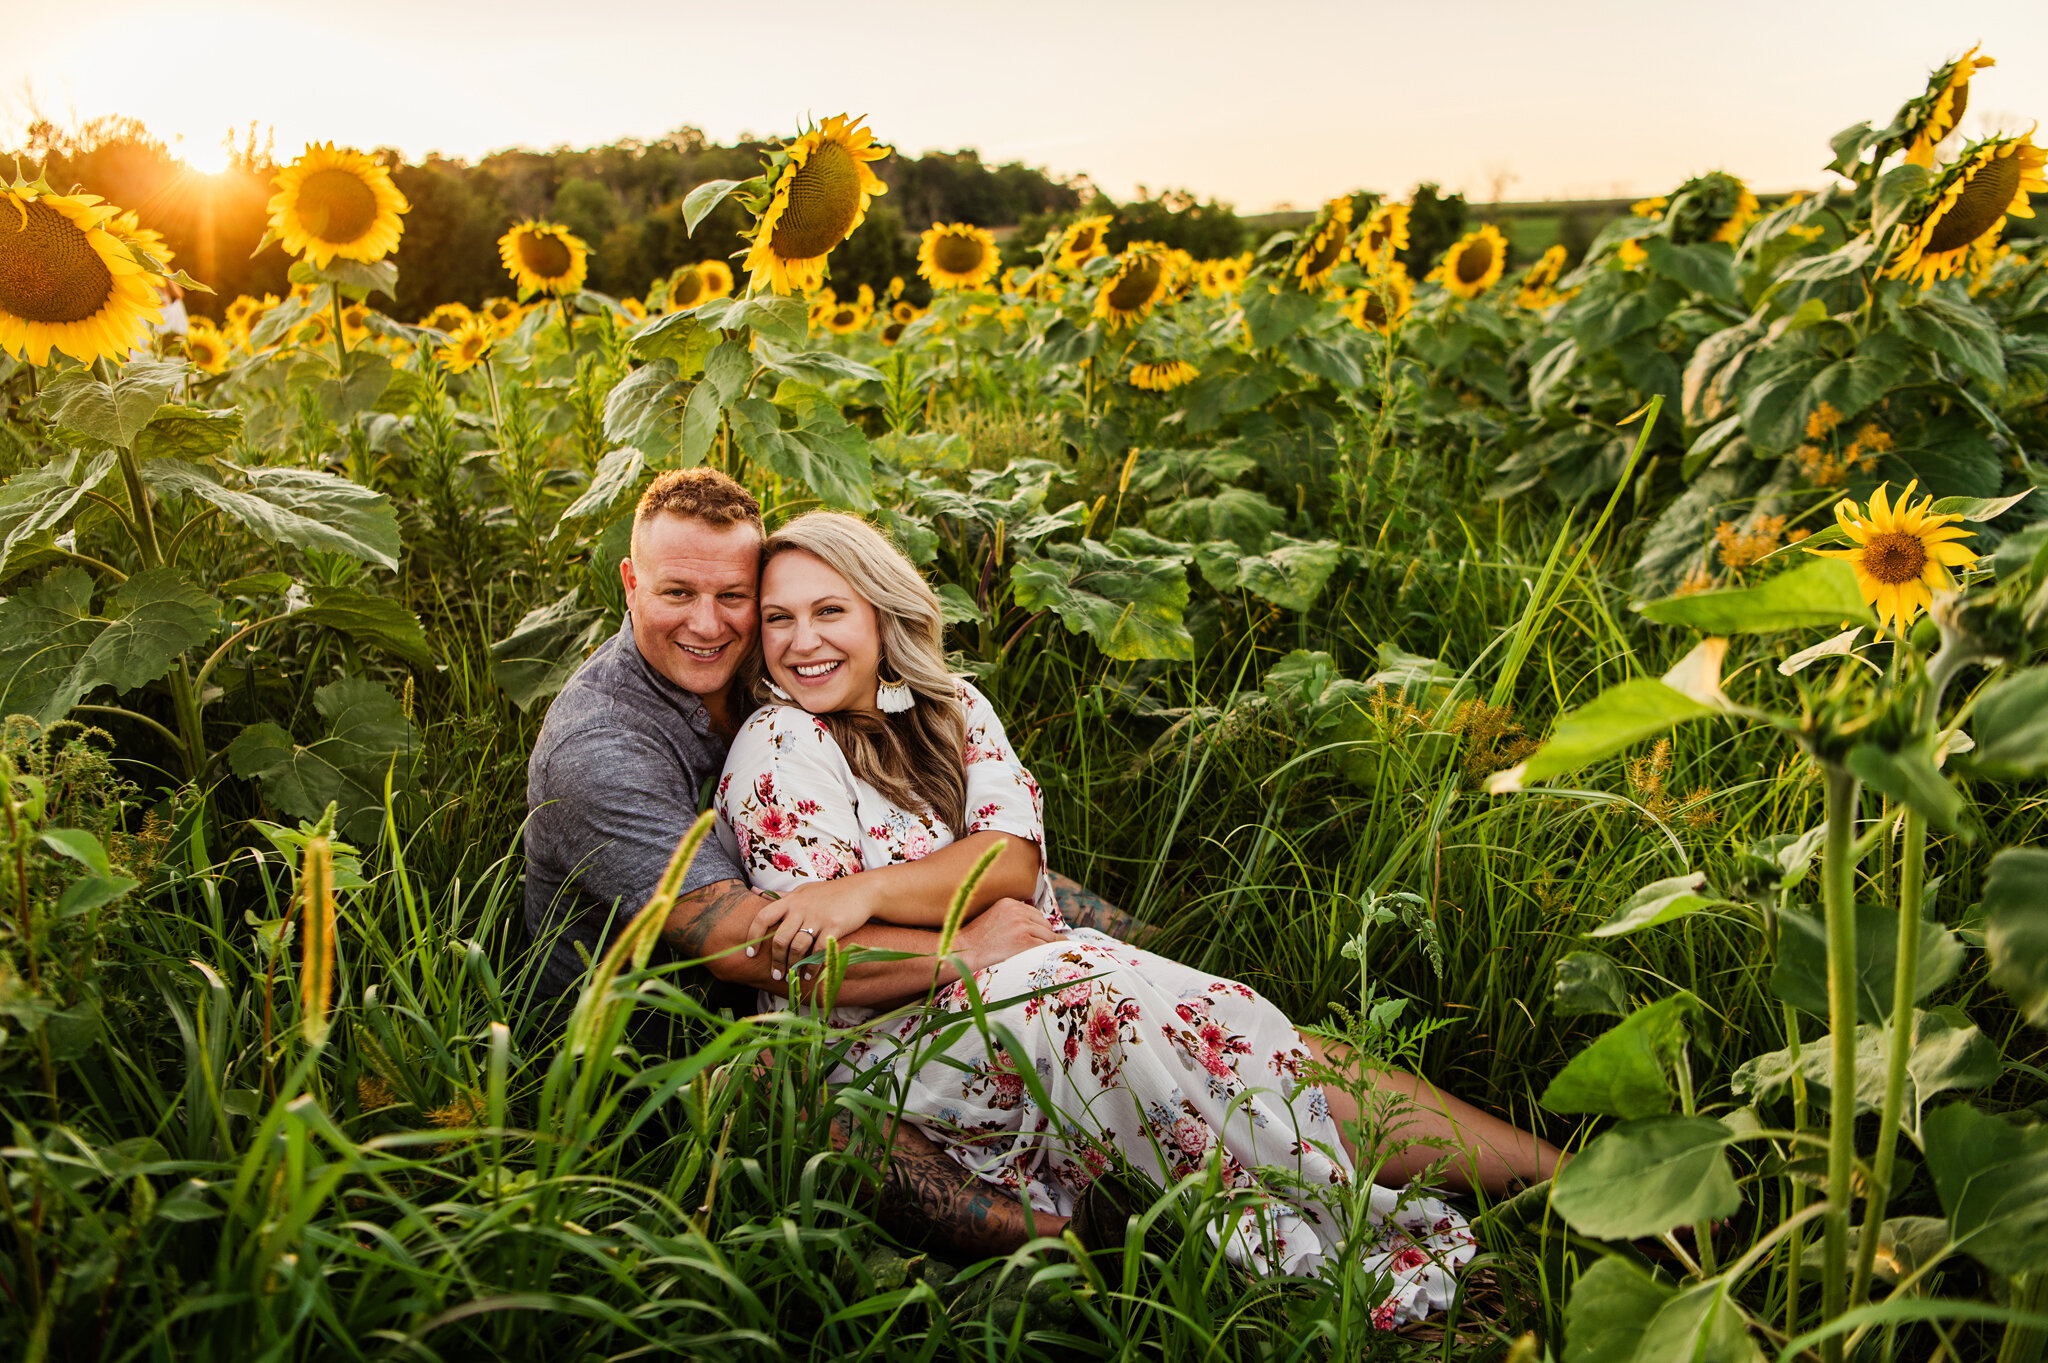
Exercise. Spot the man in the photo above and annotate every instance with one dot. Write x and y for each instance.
(619, 772)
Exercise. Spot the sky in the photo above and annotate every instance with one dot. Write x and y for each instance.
(1285, 102)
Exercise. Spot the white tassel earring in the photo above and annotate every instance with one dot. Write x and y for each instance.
(893, 695)
(779, 693)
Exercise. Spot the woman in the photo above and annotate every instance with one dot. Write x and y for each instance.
(873, 753)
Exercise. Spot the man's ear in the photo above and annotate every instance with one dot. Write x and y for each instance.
(626, 579)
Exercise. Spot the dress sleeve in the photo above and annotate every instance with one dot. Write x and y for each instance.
(786, 803)
(1002, 797)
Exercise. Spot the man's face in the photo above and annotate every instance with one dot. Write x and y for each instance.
(692, 588)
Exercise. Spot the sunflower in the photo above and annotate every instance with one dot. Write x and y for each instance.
(148, 240)
(1163, 378)
(246, 311)
(1937, 113)
(1985, 186)
(904, 312)
(1083, 241)
(206, 347)
(1902, 554)
(1386, 231)
(1130, 290)
(1383, 301)
(956, 255)
(355, 323)
(843, 319)
(717, 277)
(1651, 208)
(892, 332)
(685, 289)
(821, 304)
(503, 313)
(314, 332)
(821, 191)
(1474, 263)
(1231, 271)
(1206, 279)
(448, 317)
(469, 347)
(634, 309)
(66, 282)
(1322, 247)
(1540, 280)
(544, 257)
(334, 203)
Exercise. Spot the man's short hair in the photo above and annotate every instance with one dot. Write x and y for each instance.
(699, 494)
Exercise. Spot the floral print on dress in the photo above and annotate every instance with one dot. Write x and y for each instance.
(1139, 1057)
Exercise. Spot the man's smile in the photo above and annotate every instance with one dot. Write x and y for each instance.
(707, 654)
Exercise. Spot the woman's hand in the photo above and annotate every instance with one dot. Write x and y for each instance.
(802, 919)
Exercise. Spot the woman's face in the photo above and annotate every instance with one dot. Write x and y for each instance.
(821, 641)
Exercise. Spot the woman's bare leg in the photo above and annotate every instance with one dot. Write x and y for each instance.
(1426, 1125)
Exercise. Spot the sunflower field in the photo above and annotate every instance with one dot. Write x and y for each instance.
(1608, 684)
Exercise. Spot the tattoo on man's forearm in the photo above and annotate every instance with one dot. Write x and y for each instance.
(713, 905)
(925, 1198)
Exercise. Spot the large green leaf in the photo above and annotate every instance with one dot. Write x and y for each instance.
(1818, 593)
(1610, 1307)
(2016, 928)
(2011, 727)
(1130, 607)
(1702, 1324)
(156, 615)
(801, 435)
(35, 503)
(1910, 777)
(1952, 327)
(111, 413)
(56, 651)
(1661, 901)
(1271, 318)
(642, 411)
(1626, 1072)
(307, 508)
(1291, 574)
(546, 647)
(1616, 719)
(1236, 514)
(1948, 1054)
(805, 366)
(727, 369)
(1323, 359)
(378, 620)
(1704, 267)
(177, 432)
(680, 338)
(1850, 385)
(1587, 984)
(1800, 975)
(1992, 1178)
(367, 731)
(1648, 1177)
(617, 471)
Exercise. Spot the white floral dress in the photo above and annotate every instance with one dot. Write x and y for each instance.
(1135, 1052)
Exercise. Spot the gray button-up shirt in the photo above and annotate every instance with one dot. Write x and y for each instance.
(616, 779)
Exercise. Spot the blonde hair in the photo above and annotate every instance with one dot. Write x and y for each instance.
(918, 756)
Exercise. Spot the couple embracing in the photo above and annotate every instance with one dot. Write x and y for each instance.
(797, 681)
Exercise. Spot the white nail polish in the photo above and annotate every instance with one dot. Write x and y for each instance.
(750, 951)
(774, 974)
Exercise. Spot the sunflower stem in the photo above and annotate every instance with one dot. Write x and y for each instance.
(340, 346)
(568, 324)
(1838, 895)
(1912, 876)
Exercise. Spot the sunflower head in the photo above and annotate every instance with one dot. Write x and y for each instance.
(66, 282)
(1084, 240)
(544, 257)
(956, 255)
(820, 188)
(1986, 185)
(355, 322)
(1926, 121)
(1474, 263)
(1128, 292)
(634, 309)
(685, 289)
(1383, 301)
(469, 347)
(843, 319)
(1323, 247)
(206, 347)
(503, 313)
(1901, 554)
(1539, 281)
(448, 317)
(147, 240)
(335, 203)
(1386, 231)
(1163, 378)
(1651, 208)
(1711, 207)
(717, 278)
